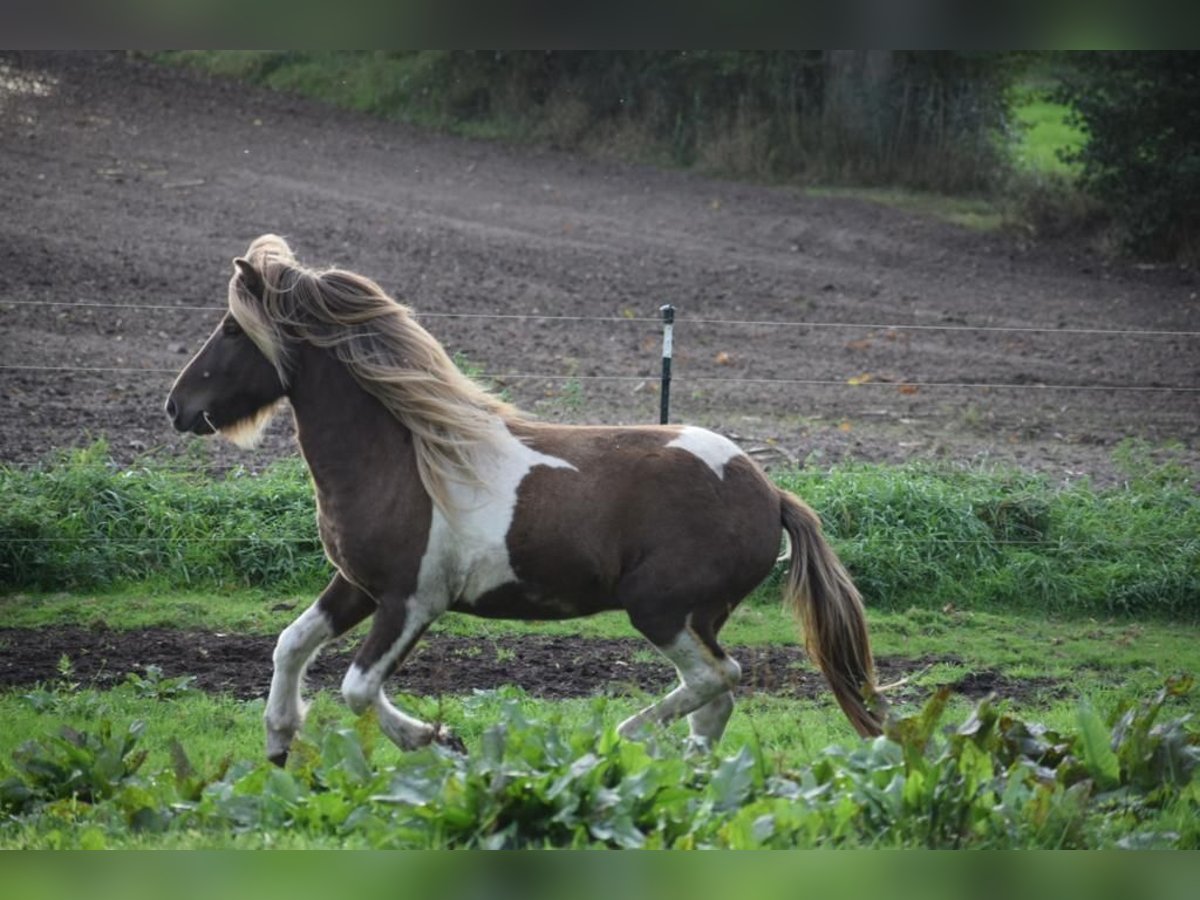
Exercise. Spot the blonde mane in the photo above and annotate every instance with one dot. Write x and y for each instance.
(386, 351)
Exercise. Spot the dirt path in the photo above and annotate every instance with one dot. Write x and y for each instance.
(554, 667)
(127, 183)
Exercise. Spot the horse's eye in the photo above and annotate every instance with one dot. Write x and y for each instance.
(231, 326)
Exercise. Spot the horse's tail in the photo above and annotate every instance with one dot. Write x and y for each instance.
(819, 591)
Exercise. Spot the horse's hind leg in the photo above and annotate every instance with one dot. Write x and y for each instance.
(707, 677)
(340, 607)
(708, 722)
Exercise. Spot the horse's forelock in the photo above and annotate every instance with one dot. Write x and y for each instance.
(267, 248)
(255, 316)
(270, 320)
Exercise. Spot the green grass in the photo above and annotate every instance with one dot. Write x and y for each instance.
(1044, 132)
(989, 539)
(977, 213)
(80, 520)
(213, 727)
(188, 774)
(913, 536)
(967, 571)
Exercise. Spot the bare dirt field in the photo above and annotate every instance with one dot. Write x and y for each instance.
(543, 666)
(126, 183)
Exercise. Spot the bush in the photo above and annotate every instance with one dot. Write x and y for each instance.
(1141, 112)
(82, 521)
(912, 535)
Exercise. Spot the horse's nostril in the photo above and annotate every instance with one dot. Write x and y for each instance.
(171, 408)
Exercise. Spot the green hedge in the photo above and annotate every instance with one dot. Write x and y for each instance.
(81, 521)
(913, 535)
(923, 536)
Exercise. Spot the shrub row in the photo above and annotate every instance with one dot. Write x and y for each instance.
(912, 535)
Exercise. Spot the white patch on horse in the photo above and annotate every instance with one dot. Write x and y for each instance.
(464, 559)
(468, 557)
(715, 450)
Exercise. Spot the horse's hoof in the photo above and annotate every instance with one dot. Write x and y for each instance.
(444, 737)
(279, 759)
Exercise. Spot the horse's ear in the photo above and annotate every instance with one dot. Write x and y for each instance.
(250, 277)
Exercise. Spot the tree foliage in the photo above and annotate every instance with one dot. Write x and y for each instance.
(928, 119)
(1141, 112)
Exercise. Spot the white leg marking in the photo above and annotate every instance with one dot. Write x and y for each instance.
(403, 730)
(364, 688)
(297, 645)
(715, 450)
(703, 678)
(361, 687)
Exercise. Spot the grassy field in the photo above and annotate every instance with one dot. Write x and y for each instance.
(1087, 595)
(1044, 132)
(160, 765)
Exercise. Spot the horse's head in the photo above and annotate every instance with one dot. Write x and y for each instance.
(230, 385)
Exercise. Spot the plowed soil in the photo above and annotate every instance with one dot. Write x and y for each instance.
(127, 183)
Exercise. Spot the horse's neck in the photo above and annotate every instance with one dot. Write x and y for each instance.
(349, 440)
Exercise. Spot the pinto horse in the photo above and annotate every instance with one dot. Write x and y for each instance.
(433, 495)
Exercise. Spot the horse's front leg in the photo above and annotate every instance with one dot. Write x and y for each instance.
(340, 607)
(397, 628)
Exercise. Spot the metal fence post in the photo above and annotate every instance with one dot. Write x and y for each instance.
(668, 317)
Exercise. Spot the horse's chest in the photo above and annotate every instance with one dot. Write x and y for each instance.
(340, 547)
(380, 559)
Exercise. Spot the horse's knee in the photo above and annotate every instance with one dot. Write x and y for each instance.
(359, 689)
(301, 639)
(721, 676)
(285, 647)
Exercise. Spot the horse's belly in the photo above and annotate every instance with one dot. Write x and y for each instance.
(520, 600)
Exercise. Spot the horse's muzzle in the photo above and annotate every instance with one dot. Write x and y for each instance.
(196, 423)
